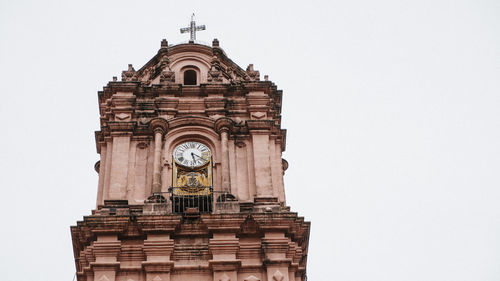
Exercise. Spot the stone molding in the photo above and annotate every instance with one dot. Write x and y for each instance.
(158, 125)
(223, 124)
(157, 267)
(292, 245)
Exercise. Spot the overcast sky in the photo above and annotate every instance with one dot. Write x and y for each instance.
(392, 111)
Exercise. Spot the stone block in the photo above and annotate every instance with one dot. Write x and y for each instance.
(156, 209)
(227, 207)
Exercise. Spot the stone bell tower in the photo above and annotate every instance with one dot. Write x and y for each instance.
(190, 176)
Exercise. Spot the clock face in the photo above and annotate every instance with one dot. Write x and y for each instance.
(192, 154)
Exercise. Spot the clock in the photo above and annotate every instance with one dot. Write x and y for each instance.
(192, 154)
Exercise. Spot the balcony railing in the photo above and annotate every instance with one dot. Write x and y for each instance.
(203, 200)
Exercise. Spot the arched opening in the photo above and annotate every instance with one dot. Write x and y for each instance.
(189, 77)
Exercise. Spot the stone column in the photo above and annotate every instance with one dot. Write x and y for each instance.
(159, 128)
(158, 133)
(223, 127)
(226, 184)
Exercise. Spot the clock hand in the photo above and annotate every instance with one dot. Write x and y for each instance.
(192, 155)
(199, 156)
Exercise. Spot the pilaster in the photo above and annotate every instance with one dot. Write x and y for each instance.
(119, 166)
(158, 248)
(275, 247)
(106, 250)
(260, 132)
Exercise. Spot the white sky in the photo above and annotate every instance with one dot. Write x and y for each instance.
(392, 111)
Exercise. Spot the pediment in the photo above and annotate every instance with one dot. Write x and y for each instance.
(170, 63)
(249, 228)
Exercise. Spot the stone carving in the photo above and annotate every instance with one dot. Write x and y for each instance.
(223, 124)
(284, 165)
(278, 276)
(158, 124)
(214, 74)
(97, 166)
(249, 227)
(258, 115)
(143, 121)
(142, 145)
(129, 75)
(161, 68)
(224, 277)
(251, 278)
(122, 116)
(254, 75)
(103, 278)
(239, 143)
(157, 278)
(167, 76)
(234, 76)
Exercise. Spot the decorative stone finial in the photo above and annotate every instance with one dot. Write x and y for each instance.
(129, 75)
(214, 74)
(164, 47)
(164, 43)
(115, 79)
(266, 77)
(215, 42)
(254, 75)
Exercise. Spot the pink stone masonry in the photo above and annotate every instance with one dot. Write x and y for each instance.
(242, 230)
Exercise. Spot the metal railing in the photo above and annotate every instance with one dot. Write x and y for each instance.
(204, 200)
(199, 201)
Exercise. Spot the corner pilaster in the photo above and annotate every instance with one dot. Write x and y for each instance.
(275, 246)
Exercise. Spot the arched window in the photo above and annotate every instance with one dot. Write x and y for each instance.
(189, 77)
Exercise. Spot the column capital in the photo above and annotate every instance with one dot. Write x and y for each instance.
(223, 124)
(158, 125)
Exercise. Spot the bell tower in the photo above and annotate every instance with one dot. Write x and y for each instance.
(190, 176)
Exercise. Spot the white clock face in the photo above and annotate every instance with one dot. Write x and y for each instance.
(192, 154)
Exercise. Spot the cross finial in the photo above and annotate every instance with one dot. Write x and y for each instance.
(192, 29)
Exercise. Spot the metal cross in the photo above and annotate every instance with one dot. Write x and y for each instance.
(192, 29)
